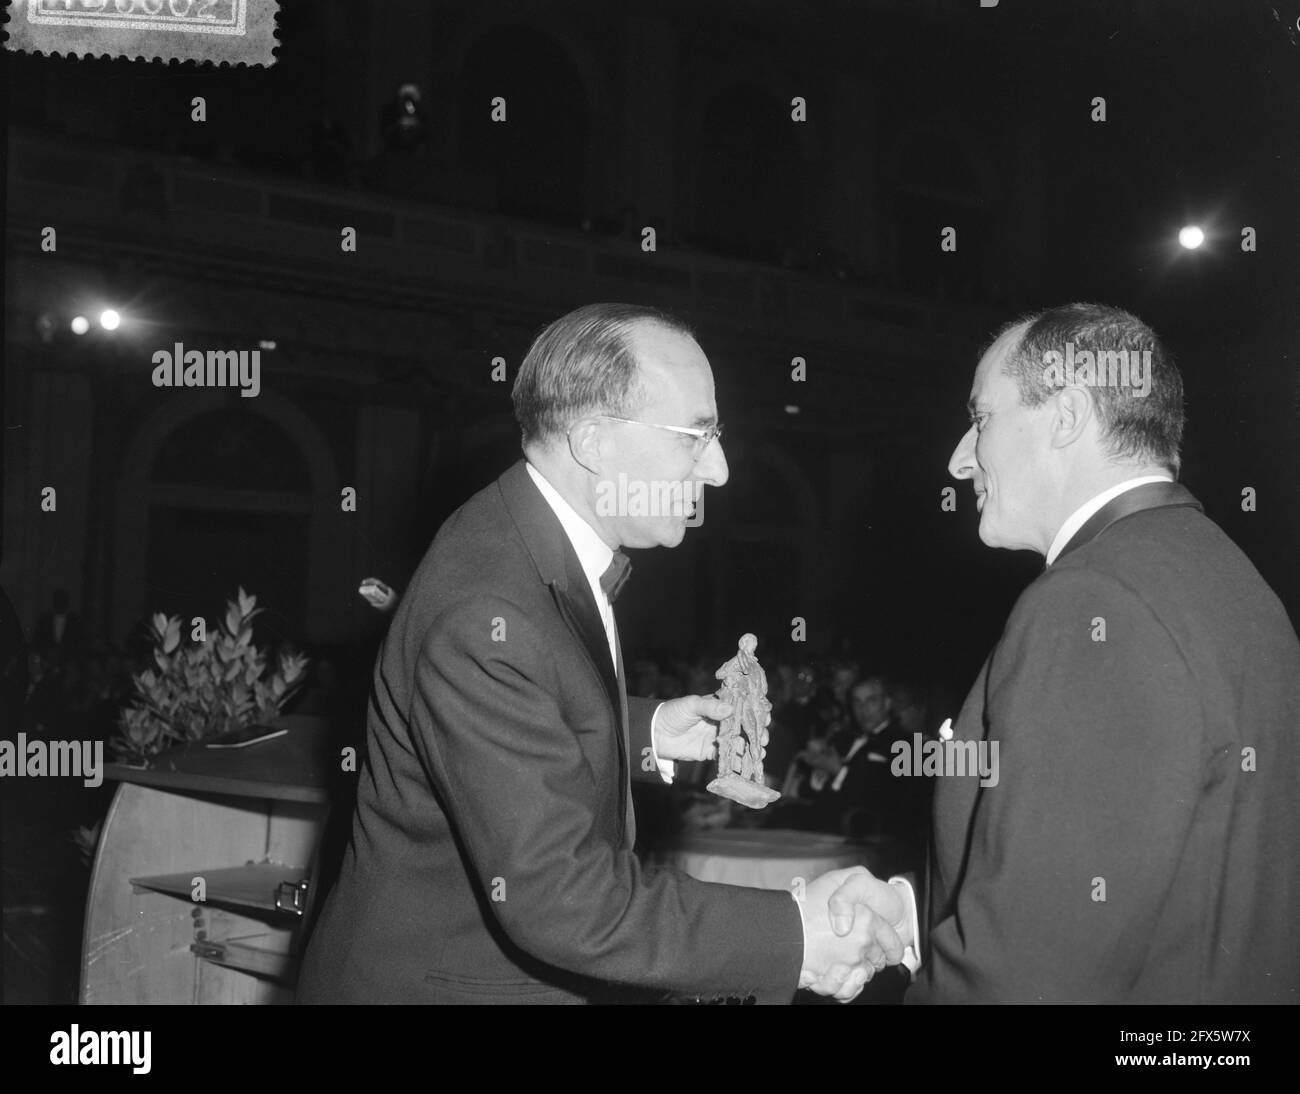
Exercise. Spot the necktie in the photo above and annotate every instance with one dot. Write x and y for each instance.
(616, 575)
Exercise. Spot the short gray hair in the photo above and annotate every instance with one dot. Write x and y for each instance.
(583, 364)
(1150, 427)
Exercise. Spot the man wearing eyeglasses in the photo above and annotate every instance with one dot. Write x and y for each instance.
(491, 857)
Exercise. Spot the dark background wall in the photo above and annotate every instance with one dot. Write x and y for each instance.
(777, 239)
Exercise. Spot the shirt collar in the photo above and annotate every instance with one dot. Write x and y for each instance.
(1079, 517)
(594, 554)
(863, 738)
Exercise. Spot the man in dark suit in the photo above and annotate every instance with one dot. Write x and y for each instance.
(491, 853)
(1138, 843)
(59, 635)
(844, 778)
(857, 792)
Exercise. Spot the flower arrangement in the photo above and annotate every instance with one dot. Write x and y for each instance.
(194, 692)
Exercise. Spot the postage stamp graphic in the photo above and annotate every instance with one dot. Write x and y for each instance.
(214, 31)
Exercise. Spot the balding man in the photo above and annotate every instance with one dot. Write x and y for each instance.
(491, 854)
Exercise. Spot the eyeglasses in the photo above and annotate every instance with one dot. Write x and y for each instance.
(703, 437)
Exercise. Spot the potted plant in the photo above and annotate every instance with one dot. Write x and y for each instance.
(196, 691)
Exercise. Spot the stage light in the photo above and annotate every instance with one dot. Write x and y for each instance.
(790, 408)
(80, 324)
(1191, 237)
(110, 320)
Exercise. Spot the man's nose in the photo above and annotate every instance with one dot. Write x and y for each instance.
(712, 468)
(962, 463)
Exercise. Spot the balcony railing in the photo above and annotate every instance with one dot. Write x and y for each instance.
(137, 201)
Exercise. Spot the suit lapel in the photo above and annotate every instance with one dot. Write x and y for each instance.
(573, 597)
(955, 800)
(953, 808)
(1152, 495)
(559, 569)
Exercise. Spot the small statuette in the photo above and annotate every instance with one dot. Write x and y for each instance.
(740, 737)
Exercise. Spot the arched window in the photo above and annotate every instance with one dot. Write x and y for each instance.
(539, 153)
(224, 448)
(935, 185)
(229, 505)
(751, 178)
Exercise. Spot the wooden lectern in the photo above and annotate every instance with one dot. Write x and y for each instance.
(202, 878)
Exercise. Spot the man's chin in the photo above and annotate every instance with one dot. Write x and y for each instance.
(991, 536)
(665, 532)
(989, 533)
(672, 533)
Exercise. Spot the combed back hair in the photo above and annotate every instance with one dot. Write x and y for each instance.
(1133, 426)
(881, 682)
(583, 364)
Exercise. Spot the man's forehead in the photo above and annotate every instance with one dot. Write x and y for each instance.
(662, 348)
(991, 364)
(673, 366)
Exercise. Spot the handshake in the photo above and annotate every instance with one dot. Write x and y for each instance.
(854, 925)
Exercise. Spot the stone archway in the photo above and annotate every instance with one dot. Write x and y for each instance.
(305, 500)
(750, 170)
(549, 108)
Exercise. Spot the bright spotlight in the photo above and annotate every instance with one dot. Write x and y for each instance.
(110, 320)
(1191, 237)
(80, 324)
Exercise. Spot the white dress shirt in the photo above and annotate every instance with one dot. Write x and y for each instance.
(594, 556)
(817, 779)
(1079, 517)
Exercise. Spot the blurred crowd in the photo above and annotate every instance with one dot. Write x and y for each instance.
(830, 752)
(831, 747)
(64, 683)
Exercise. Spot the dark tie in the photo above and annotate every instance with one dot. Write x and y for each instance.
(616, 575)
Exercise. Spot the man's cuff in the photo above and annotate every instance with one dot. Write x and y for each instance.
(806, 979)
(911, 954)
(667, 768)
(837, 783)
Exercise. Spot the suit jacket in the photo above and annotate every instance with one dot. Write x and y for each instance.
(1140, 843)
(873, 801)
(73, 637)
(491, 852)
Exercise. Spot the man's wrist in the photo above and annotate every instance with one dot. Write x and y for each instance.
(667, 768)
(806, 979)
(912, 952)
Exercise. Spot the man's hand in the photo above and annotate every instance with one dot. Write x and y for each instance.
(840, 963)
(687, 728)
(860, 889)
(823, 759)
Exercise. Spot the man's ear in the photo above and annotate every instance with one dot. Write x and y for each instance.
(1072, 412)
(584, 444)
